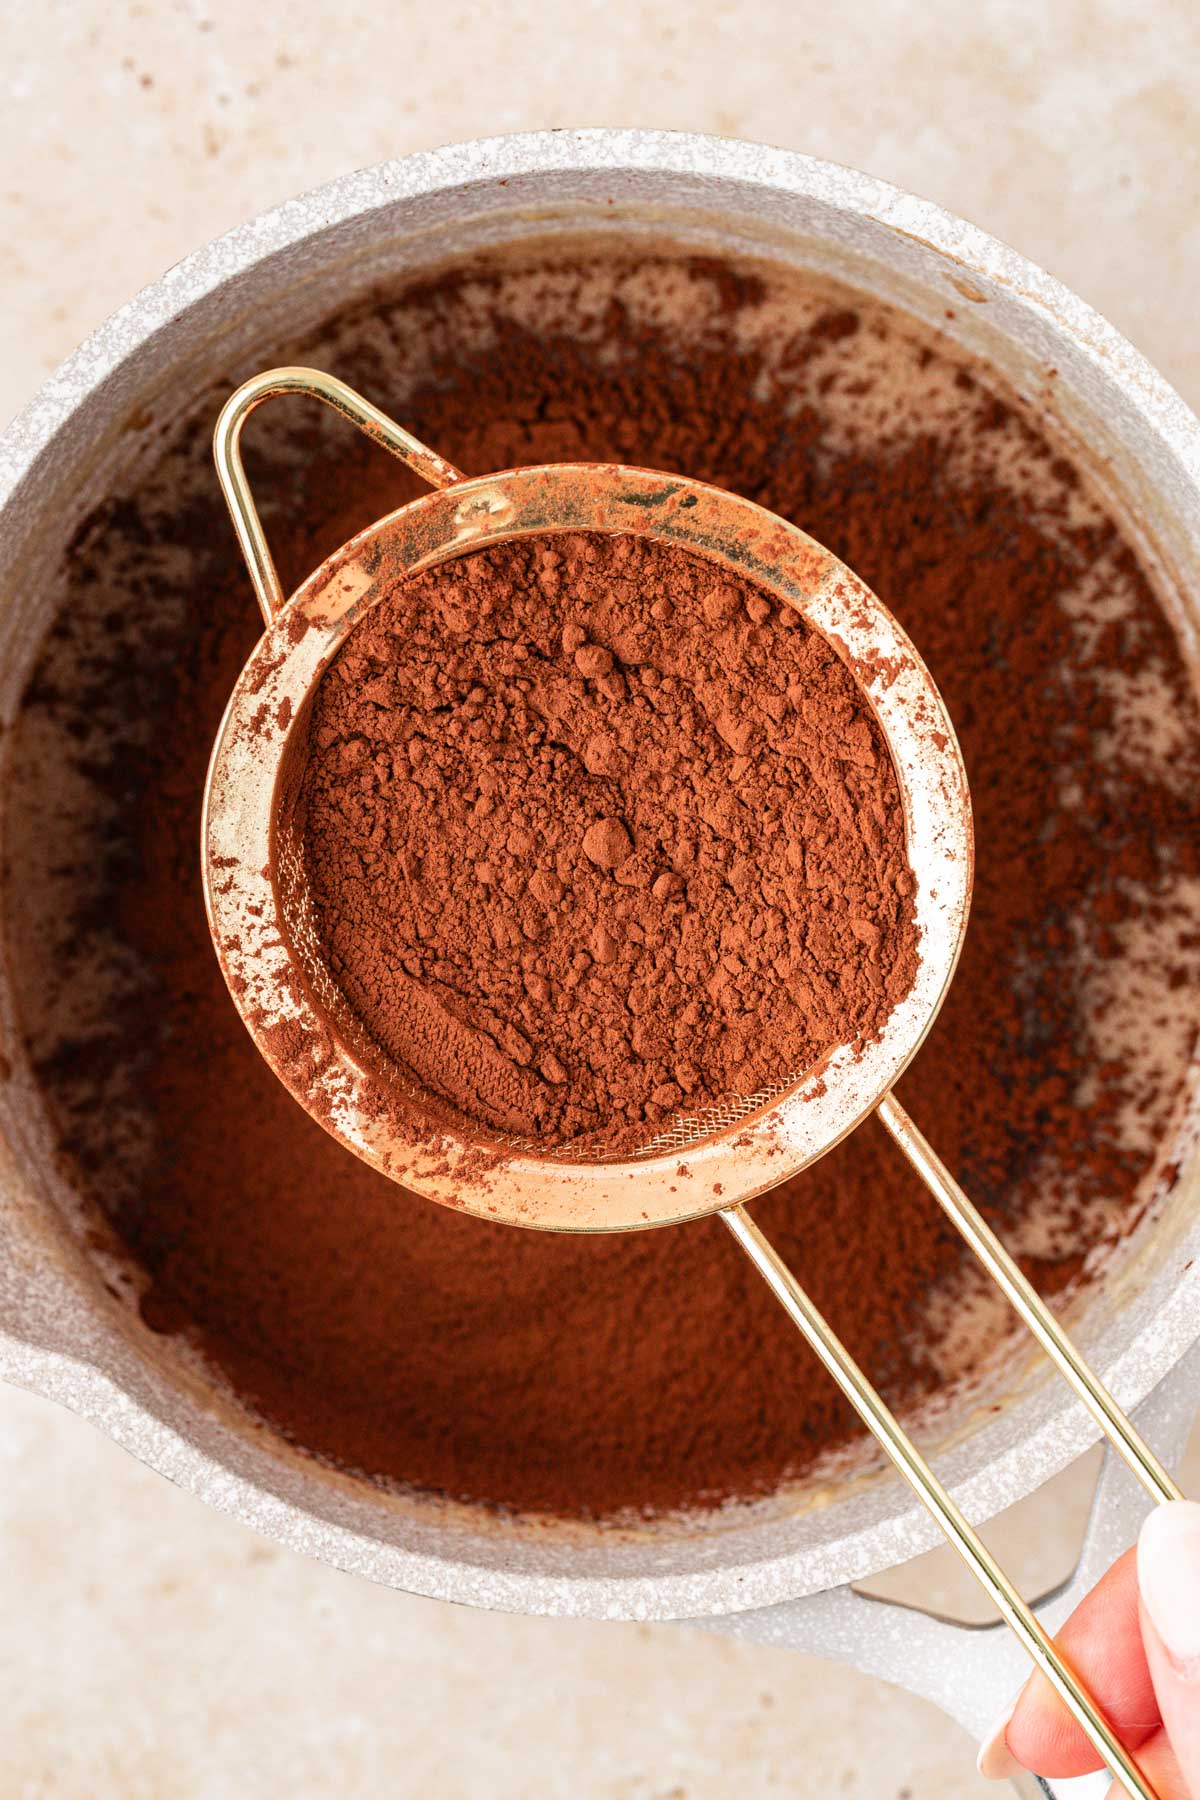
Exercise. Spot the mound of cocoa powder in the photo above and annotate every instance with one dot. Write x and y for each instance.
(594, 831)
(650, 1370)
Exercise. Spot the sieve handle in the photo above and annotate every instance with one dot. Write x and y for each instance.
(905, 1456)
(968, 1669)
(1121, 1433)
(227, 453)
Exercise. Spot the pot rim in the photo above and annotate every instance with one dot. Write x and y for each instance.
(139, 1422)
(599, 149)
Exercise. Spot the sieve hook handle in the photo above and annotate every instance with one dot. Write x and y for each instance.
(227, 453)
(904, 1455)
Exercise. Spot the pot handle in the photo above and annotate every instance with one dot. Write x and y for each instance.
(227, 453)
(970, 1670)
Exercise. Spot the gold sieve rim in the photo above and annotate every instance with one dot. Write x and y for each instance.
(749, 1143)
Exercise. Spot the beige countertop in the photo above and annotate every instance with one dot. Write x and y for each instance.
(150, 1649)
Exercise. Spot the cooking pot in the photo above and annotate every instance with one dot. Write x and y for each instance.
(778, 1570)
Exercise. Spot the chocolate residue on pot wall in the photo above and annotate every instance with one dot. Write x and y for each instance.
(587, 1375)
(593, 831)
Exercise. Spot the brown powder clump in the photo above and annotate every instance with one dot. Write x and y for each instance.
(594, 832)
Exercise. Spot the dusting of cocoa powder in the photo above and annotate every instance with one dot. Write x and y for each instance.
(651, 1370)
(594, 831)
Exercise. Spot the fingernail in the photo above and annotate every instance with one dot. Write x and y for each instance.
(996, 1761)
(1169, 1578)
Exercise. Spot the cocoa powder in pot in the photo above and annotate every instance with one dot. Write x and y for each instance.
(594, 831)
(584, 1376)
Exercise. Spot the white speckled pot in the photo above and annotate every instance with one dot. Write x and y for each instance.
(65, 1337)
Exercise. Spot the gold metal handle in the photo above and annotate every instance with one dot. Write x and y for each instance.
(904, 1454)
(227, 454)
(1119, 1430)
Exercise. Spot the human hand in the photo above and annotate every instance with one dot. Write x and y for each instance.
(1135, 1640)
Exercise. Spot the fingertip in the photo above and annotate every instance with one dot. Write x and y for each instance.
(1043, 1735)
(1102, 1640)
(1168, 1561)
(996, 1761)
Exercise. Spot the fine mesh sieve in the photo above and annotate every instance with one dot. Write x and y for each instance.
(264, 930)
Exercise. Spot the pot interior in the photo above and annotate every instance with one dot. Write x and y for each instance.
(86, 1323)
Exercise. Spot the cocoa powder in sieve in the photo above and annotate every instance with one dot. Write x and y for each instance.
(650, 1370)
(594, 831)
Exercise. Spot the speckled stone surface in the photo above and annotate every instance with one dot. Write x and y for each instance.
(148, 1646)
